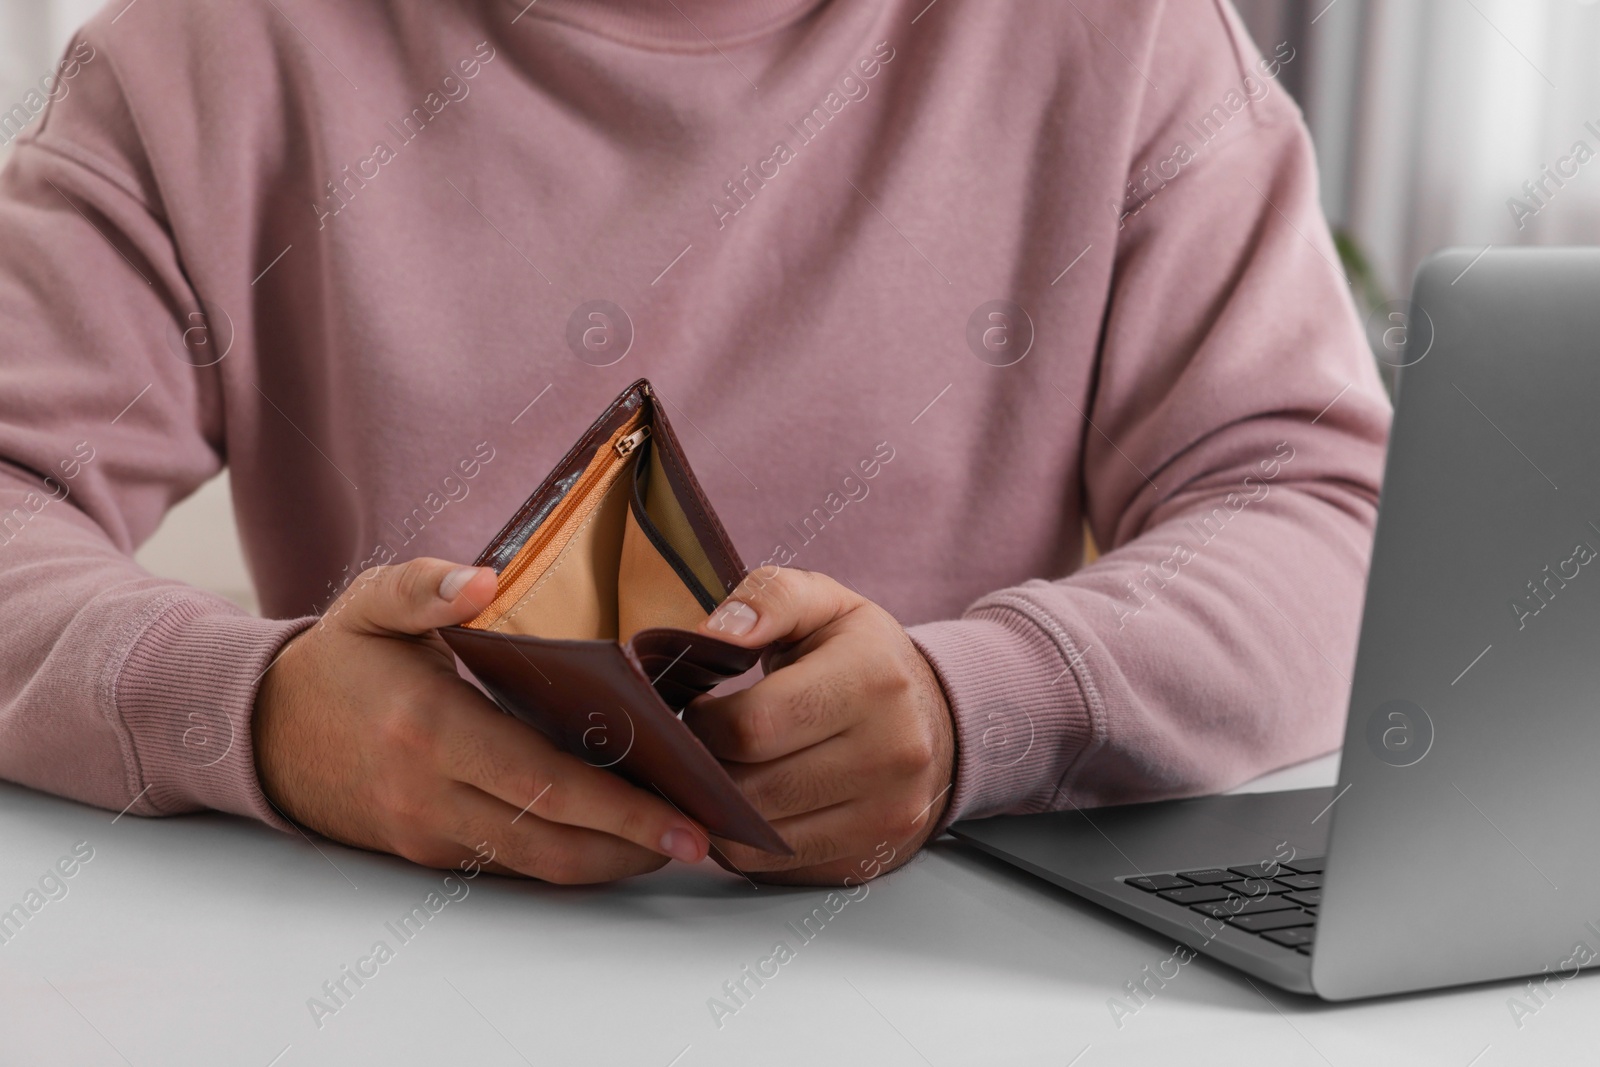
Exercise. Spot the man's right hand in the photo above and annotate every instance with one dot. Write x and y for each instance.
(365, 733)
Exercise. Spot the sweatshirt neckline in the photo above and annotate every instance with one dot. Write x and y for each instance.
(677, 24)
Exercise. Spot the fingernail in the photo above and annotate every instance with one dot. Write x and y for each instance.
(734, 617)
(456, 581)
(681, 845)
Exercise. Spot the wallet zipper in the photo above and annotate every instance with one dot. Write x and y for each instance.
(580, 500)
(626, 446)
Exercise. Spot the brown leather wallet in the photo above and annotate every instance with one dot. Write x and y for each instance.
(604, 573)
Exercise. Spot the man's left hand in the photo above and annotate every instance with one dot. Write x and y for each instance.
(846, 745)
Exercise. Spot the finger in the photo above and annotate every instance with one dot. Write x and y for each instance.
(779, 604)
(847, 843)
(518, 765)
(551, 852)
(498, 868)
(820, 777)
(824, 838)
(789, 710)
(828, 837)
(470, 863)
(414, 597)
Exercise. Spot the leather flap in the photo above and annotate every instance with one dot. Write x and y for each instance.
(595, 699)
(682, 665)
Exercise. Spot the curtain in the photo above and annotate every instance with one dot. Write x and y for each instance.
(1448, 122)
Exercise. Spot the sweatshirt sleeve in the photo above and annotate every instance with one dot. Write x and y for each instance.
(116, 688)
(1233, 448)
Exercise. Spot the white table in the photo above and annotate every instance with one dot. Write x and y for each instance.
(199, 940)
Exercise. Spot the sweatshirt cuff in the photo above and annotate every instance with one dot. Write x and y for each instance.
(1018, 698)
(186, 694)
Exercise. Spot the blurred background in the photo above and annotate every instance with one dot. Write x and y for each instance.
(1437, 122)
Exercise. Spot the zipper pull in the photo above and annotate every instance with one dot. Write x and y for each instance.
(626, 446)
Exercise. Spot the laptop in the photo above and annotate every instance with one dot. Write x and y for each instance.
(1458, 845)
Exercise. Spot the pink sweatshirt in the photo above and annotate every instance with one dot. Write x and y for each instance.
(926, 287)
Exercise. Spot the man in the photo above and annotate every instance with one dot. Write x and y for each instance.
(927, 289)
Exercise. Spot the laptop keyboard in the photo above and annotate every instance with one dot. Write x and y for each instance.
(1277, 901)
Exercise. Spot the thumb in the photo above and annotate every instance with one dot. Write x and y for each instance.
(416, 596)
(776, 604)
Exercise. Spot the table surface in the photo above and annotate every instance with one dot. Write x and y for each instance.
(204, 939)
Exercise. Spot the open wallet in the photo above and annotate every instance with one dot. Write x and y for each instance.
(604, 573)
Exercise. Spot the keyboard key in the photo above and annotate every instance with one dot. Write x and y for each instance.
(1152, 883)
(1196, 894)
(1293, 937)
(1301, 881)
(1269, 869)
(1307, 898)
(1234, 906)
(1273, 920)
(1307, 865)
(1209, 876)
(1254, 887)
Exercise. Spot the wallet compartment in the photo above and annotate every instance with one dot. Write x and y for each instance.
(617, 548)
